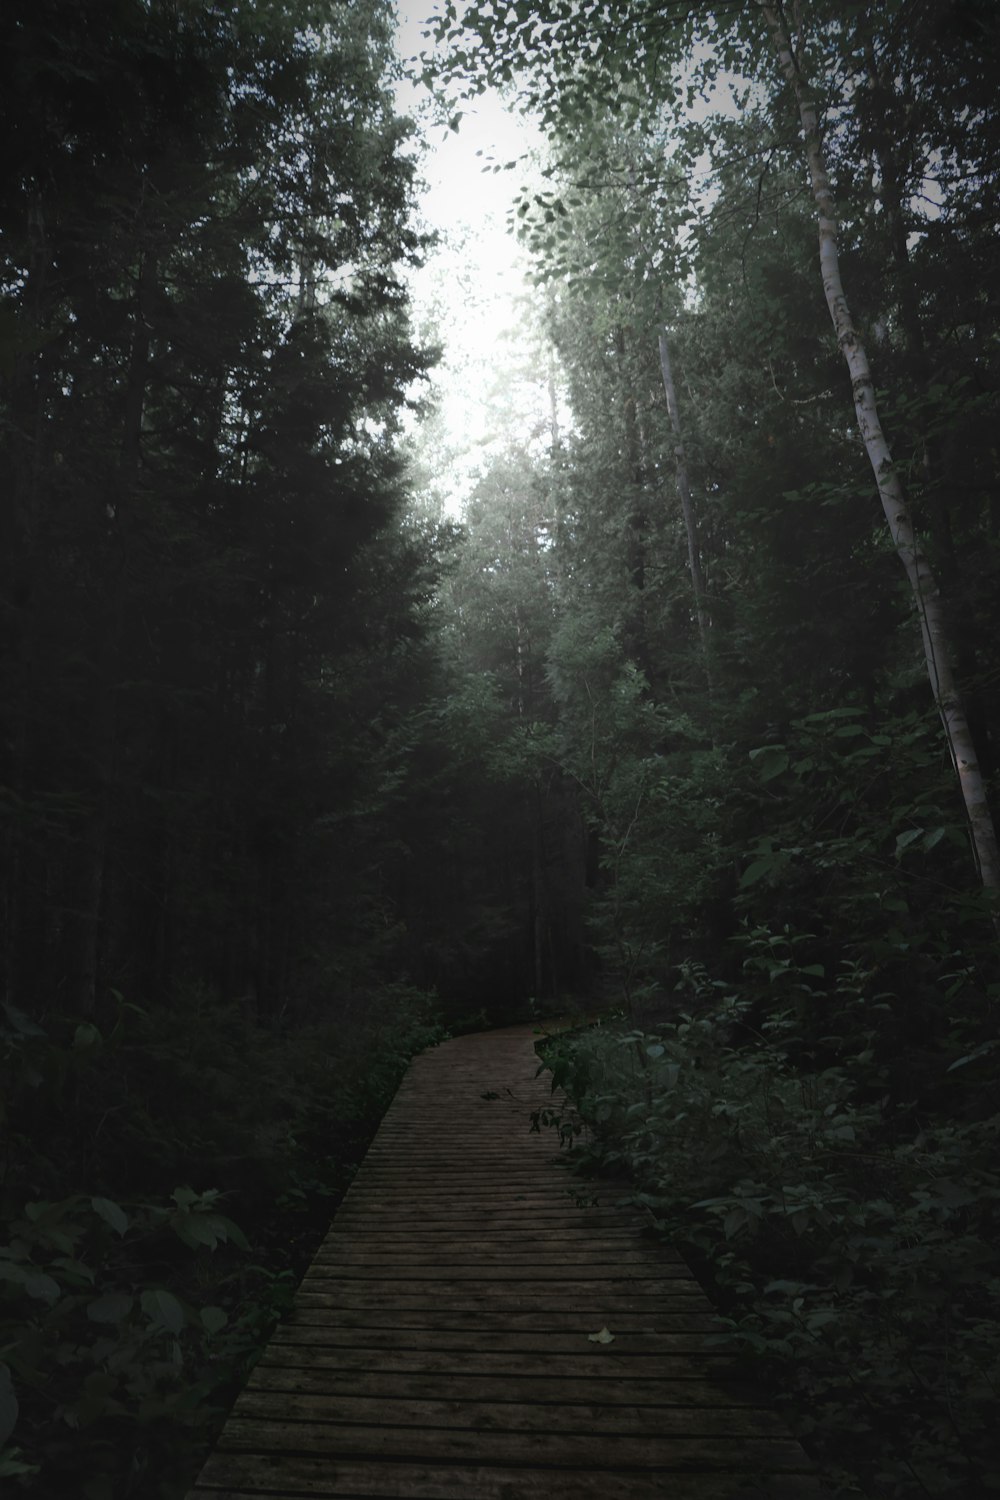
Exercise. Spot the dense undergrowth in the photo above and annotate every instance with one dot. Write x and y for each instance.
(840, 1199)
(163, 1183)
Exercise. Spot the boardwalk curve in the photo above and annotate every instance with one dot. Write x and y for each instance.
(439, 1347)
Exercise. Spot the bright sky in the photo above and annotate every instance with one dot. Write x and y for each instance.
(467, 293)
(472, 294)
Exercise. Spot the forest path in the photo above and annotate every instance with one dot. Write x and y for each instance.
(439, 1345)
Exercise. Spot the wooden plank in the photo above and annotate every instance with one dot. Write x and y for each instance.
(514, 1385)
(513, 1244)
(584, 1307)
(510, 1158)
(271, 1474)
(609, 1450)
(462, 1199)
(496, 1269)
(382, 1220)
(684, 1359)
(475, 1414)
(526, 1167)
(371, 1255)
(522, 1332)
(334, 1279)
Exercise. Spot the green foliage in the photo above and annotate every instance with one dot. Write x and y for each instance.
(129, 1320)
(215, 619)
(846, 1228)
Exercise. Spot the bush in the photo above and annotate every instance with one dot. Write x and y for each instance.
(130, 1307)
(847, 1229)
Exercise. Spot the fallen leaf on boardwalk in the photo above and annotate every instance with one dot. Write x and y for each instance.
(604, 1337)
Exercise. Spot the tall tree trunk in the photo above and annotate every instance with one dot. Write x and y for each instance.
(938, 497)
(890, 194)
(635, 635)
(555, 435)
(93, 842)
(687, 507)
(539, 904)
(927, 595)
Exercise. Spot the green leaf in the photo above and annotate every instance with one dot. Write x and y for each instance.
(771, 760)
(906, 839)
(21, 1024)
(734, 1221)
(655, 1049)
(213, 1319)
(163, 1310)
(981, 1051)
(35, 1283)
(233, 1232)
(195, 1230)
(11, 1467)
(75, 1270)
(603, 1336)
(206, 1229)
(42, 1287)
(110, 1213)
(832, 713)
(113, 1307)
(758, 868)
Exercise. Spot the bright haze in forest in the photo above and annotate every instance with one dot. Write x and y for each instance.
(472, 296)
(466, 295)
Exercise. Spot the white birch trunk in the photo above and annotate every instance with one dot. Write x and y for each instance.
(927, 595)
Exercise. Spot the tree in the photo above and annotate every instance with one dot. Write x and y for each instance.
(202, 472)
(577, 58)
(938, 652)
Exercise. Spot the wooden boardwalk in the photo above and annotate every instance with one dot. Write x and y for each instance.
(439, 1348)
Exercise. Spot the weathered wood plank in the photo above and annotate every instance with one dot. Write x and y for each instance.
(470, 1411)
(270, 1474)
(609, 1450)
(503, 1279)
(542, 1325)
(511, 1244)
(494, 1268)
(457, 1326)
(669, 1353)
(684, 1362)
(513, 1385)
(334, 1281)
(584, 1306)
(381, 1218)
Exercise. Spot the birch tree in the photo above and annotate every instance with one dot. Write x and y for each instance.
(928, 601)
